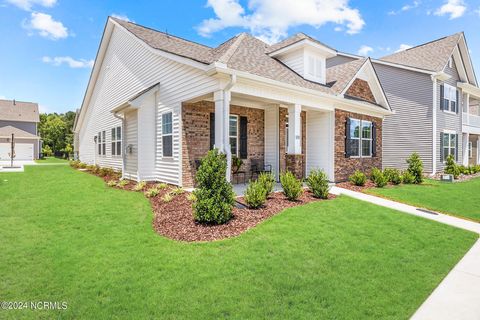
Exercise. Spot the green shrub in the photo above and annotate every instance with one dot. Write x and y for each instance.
(215, 196)
(75, 163)
(267, 180)
(393, 175)
(379, 178)
(161, 186)
(47, 151)
(139, 186)
(167, 197)
(255, 195)
(191, 197)
(415, 167)
(122, 183)
(358, 178)
(407, 177)
(177, 191)
(112, 183)
(317, 182)
(375, 173)
(292, 187)
(103, 172)
(152, 192)
(451, 167)
(82, 165)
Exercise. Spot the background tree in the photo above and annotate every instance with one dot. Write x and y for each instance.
(56, 130)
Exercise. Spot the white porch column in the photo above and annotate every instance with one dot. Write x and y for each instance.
(294, 129)
(218, 97)
(467, 104)
(466, 138)
(226, 132)
(478, 150)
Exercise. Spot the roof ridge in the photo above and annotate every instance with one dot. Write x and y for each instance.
(227, 55)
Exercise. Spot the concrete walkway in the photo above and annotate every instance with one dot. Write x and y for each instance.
(458, 295)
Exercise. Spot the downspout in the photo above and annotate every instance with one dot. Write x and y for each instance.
(226, 122)
(123, 144)
(434, 126)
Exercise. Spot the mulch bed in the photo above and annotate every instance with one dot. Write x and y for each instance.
(350, 186)
(461, 178)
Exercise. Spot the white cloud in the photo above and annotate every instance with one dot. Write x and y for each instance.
(453, 8)
(270, 20)
(71, 62)
(364, 50)
(28, 4)
(121, 17)
(3, 98)
(46, 26)
(406, 7)
(403, 47)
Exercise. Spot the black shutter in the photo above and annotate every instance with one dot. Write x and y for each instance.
(243, 138)
(457, 104)
(456, 147)
(374, 140)
(442, 99)
(347, 139)
(212, 130)
(441, 147)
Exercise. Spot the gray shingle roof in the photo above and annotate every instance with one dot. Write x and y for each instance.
(431, 56)
(294, 39)
(18, 133)
(20, 111)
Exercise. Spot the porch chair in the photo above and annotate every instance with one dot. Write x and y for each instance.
(257, 166)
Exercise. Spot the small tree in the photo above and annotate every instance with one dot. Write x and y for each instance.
(47, 151)
(215, 197)
(415, 167)
(451, 167)
(68, 150)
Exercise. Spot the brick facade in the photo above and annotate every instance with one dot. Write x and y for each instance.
(196, 135)
(361, 89)
(344, 167)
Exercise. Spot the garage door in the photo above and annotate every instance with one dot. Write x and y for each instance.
(23, 151)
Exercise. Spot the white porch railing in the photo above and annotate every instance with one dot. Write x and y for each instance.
(471, 120)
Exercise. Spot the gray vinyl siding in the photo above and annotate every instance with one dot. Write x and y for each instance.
(338, 60)
(30, 127)
(409, 130)
(448, 121)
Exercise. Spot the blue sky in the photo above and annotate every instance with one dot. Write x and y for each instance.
(48, 46)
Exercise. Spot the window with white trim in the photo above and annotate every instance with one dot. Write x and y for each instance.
(233, 134)
(101, 143)
(117, 141)
(167, 134)
(361, 138)
(470, 149)
(449, 98)
(449, 145)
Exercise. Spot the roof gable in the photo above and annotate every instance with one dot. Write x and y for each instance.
(11, 110)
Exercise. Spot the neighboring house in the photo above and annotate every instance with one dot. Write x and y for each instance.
(155, 104)
(20, 119)
(433, 91)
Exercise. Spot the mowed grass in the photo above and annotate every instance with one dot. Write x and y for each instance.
(65, 236)
(51, 160)
(460, 198)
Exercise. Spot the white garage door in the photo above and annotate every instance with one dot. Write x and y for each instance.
(23, 151)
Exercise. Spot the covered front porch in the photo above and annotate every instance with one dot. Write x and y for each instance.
(264, 134)
(471, 125)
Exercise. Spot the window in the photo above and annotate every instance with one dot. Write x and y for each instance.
(167, 137)
(101, 143)
(233, 134)
(449, 145)
(360, 140)
(449, 98)
(117, 141)
(470, 149)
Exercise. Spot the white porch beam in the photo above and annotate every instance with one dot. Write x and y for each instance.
(294, 129)
(466, 139)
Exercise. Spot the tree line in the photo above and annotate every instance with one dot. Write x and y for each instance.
(56, 131)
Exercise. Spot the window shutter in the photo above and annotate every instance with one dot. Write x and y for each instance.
(441, 147)
(212, 130)
(243, 138)
(442, 95)
(457, 104)
(374, 140)
(347, 139)
(456, 147)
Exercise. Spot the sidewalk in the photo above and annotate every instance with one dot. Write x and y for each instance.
(458, 295)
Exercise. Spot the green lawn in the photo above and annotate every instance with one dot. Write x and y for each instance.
(51, 160)
(65, 236)
(460, 199)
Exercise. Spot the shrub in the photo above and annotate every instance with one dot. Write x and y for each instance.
(191, 197)
(167, 197)
(215, 197)
(292, 187)
(161, 186)
(47, 151)
(375, 173)
(317, 182)
(112, 183)
(82, 165)
(122, 183)
(75, 163)
(267, 180)
(393, 175)
(379, 178)
(451, 167)
(139, 186)
(358, 178)
(415, 167)
(407, 177)
(103, 172)
(152, 192)
(177, 191)
(255, 195)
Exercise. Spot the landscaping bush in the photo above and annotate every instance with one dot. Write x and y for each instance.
(139, 186)
(379, 178)
(407, 177)
(103, 172)
(215, 196)
(152, 192)
(177, 191)
(161, 186)
(393, 175)
(82, 165)
(255, 195)
(451, 167)
(112, 183)
(191, 197)
(267, 180)
(122, 183)
(415, 167)
(292, 187)
(358, 178)
(167, 197)
(317, 182)
(75, 163)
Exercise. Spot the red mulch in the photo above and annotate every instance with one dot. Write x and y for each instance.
(175, 219)
(350, 186)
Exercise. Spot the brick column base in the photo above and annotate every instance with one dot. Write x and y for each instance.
(294, 164)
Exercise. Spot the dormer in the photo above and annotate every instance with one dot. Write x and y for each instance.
(304, 55)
